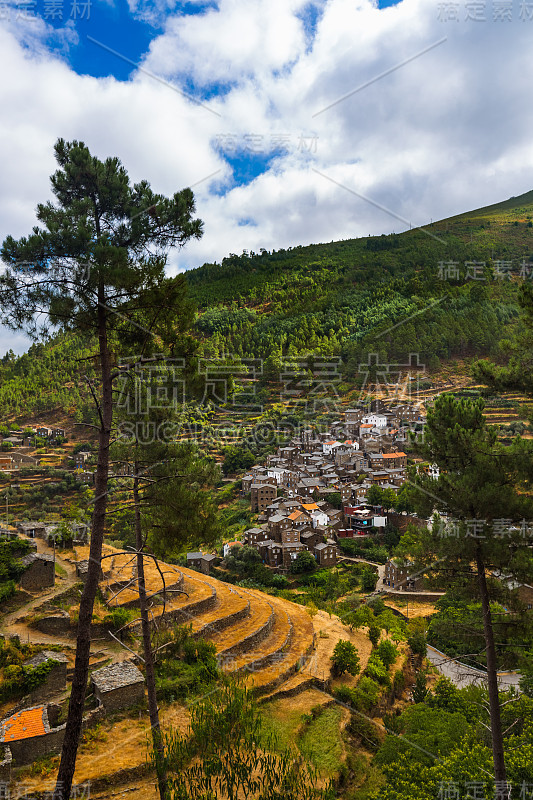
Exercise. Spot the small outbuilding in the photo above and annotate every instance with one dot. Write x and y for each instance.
(118, 686)
(56, 680)
(39, 572)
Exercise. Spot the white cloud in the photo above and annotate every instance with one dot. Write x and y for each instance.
(445, 132)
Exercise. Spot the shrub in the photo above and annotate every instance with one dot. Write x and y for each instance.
(304, 562)
(377, 670)
(398, 683)
(373, 634)
(345, 658)
(369, 580)
(417, 643)
(184, 665)
(18, 680)
(117, 618)
(420, 691)
(387, 652)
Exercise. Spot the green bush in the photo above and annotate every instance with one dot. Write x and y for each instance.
(398, 683)
(374, 633)
(184, 666)
(117, 618)
(362, 697)
(304, 562)
(19, 680)
(417, 643)
(345, 658)
(377, 670)
(387, 652)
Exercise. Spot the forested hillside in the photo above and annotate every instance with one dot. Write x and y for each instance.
(446, 291)
(454, 282)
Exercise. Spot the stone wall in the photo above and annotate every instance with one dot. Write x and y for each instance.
(222, 623)
(121, 697)
(252, 640)
(402, 521)
(407, 594)
(58, 623)
(185, 615)
(5, 766)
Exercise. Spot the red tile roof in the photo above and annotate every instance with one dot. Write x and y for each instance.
(24, 725)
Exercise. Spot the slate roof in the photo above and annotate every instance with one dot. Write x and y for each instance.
(46, 655)
(115, 676)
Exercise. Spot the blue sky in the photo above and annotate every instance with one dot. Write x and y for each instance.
(115, 26)
(294, 121)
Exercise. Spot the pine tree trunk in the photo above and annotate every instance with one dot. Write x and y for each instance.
(147, 646)
(83, 641)
(492, 675)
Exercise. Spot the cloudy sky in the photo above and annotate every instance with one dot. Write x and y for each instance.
(294, 121)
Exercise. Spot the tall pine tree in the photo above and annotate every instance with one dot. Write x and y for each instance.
(93, 266)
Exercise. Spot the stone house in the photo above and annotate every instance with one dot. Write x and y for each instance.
(290, 535)
(271, 553)
(398, 576)
(311, 538)
(277, 524)
(32, 529)
(246, 483)
(326, 553)
(201, 561)
(39, 571)
(253, 536)
(29, 736)
(57, 677)
(262, 495)
(82, 569)
(43, 431)
(299, 519)
(290, 551)
(118, 686)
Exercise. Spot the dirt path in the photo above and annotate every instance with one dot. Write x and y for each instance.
(12, 624)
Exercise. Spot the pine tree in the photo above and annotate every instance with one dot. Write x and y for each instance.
(96, 263)
(481, 485)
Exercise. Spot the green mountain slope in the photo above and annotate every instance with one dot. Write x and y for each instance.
(448, 290)
(443, 290)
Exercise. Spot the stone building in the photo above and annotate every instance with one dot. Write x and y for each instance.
(57, 677)
(29, 736)
(326, 553)
(262, 495)
(39, 572)
(399, 575)
(118, 686)
(32, 529)
(201, 561)
(253, 536)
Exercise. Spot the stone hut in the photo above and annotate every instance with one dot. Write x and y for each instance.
(39, 572)
(29, 736)
(57, 677)
(202, 561)
(118, 686)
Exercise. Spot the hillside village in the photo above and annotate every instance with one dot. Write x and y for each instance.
(291, 494)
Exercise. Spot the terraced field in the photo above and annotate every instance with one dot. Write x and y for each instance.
(265, 638)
